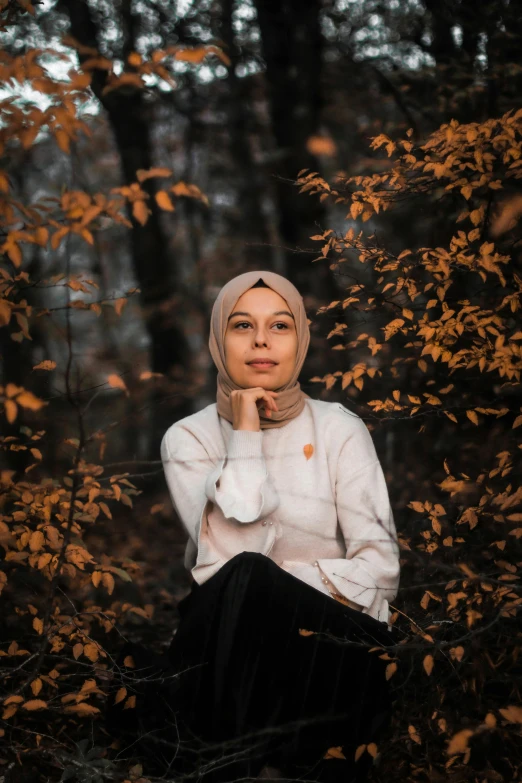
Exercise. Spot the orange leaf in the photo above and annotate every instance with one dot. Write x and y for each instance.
(117, 382)
(390, 670)
(360, 750)
(129, 662)
(143, 174)
(304, 632)
(472, 416)
(120, 695)
(163, 201)
(11, 410)
(81, 709)
(428, 664)
(34, 704)
(130, 703)
(140, 211)
(334, 753)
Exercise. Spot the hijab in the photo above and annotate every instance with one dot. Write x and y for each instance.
(291, 398)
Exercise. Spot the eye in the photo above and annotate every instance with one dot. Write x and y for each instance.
(246, 323)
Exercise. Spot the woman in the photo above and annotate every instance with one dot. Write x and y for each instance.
(293, 550)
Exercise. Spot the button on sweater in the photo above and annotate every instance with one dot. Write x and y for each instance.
(311, 495)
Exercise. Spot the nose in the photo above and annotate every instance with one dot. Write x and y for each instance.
(260, 338)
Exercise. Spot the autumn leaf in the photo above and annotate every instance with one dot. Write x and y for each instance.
(120, 695)
(428, 664)
(163, 201)
(81, 709)
(11, 410)
(304, 632)
(28, 400)
(472, 416)
(47, 364)
(117, 382)
(308, 450)
(335, 753)
(459, 742)
(140, 211)
(34, 704)
(144, 174)
(513, 713)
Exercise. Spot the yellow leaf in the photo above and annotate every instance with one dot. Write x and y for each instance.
(37, 454)
(96, 578)
(308, 450)
(34, 704)
(130, 703)
(77, 650)
(47, 364)
(38, 627)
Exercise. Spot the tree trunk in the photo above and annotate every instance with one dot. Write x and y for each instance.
(130, 120)
(292, 49)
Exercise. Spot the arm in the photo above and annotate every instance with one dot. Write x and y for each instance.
(241, 485)
(238, 485)
(371, 569)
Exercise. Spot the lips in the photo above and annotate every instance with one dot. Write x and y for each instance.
(262, 363)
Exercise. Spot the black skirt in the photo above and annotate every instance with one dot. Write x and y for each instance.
(242, 687)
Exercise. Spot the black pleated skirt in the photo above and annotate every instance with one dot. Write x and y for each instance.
(242, 686)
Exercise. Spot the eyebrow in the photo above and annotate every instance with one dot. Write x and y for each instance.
(279, 312)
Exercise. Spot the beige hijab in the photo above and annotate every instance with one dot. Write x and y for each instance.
(291, 399)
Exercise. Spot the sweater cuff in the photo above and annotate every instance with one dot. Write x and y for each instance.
(247, 446)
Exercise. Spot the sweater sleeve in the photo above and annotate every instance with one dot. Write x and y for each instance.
(370, 570)
(186, 465)
(241, 485)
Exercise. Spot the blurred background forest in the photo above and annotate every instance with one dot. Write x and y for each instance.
(263, 103)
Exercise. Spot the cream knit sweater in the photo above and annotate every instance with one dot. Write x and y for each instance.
(311, 495)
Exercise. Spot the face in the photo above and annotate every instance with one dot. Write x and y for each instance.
(261, 326)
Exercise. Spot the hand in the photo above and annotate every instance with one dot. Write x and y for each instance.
(246, 404)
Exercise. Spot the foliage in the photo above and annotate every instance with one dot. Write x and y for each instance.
(442, 339)
(59, 613)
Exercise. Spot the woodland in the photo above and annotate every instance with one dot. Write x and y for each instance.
(150, 150)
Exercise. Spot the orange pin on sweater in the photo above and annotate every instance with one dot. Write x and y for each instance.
(308, 450)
